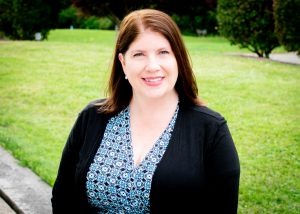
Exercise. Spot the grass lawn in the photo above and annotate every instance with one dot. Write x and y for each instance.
(44, 85)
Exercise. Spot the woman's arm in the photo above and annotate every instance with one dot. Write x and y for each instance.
(223, 169)
(63, 193)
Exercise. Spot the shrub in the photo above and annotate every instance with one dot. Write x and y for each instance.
(190, 24)
(249, 24)
(72, 16)
(68, 17)
(94, 22)
(21, 19)
(287, 23)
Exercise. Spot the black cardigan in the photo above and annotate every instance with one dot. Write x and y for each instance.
(199, 172)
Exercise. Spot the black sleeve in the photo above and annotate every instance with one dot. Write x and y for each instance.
(63, 192)
(223, 173)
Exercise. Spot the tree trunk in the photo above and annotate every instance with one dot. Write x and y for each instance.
(259, 54)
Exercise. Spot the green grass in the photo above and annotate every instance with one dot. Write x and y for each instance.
(44, 85)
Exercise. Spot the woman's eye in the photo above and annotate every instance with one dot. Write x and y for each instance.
(164, 52)
(138, 54)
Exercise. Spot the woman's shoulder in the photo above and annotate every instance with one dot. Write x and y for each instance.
(203, 114)
(206, 111)
(93, 107)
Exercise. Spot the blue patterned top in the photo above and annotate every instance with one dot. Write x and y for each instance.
(114, 184)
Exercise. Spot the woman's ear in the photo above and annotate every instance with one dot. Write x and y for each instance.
(122, 60)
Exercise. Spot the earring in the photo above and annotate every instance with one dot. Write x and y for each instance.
(126, 77)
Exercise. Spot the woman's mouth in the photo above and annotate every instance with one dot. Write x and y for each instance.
(156, 79)
(153, 81)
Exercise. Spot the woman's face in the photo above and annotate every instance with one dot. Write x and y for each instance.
(150, 66)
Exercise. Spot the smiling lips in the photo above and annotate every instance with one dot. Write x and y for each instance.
(153, 81)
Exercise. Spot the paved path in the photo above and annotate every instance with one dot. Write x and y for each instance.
(23, 190)
(288, 58)
(291, 58)
(5, 208)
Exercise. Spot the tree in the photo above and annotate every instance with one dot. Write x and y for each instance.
(249, 24)
(21, 19)
(189, 14)
(287, 23)
(115, 10)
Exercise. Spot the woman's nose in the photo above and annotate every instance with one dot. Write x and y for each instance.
(153, 64)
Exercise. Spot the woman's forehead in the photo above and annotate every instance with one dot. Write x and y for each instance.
(149, 38)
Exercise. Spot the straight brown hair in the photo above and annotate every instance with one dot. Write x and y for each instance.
(119, 89)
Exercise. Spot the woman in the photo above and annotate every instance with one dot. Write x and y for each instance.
(151, 146)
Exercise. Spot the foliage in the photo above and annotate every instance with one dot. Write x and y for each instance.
(71, 17)
(249, 24)
(21, 19)
(115, 10)
(94, 22)
(190, 15)
(287, 23)
(68, 17)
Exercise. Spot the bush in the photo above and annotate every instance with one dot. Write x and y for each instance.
(68, 17)
(72, 16)
(249, 24)
(189, 25)
(21, 19)
(287, 23)
(94, 22)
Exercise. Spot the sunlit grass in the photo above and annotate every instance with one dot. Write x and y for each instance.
(44, 85)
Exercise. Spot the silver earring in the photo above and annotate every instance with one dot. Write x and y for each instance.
(126, 77)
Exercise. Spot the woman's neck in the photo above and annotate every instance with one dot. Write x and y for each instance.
(154, 107)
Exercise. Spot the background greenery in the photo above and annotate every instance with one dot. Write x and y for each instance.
(287, 23)
(258, 25)
(248, 24)
(44, 85)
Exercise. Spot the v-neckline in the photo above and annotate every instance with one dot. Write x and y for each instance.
(140, 164)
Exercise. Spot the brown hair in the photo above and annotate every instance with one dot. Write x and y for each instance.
(119, 89)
